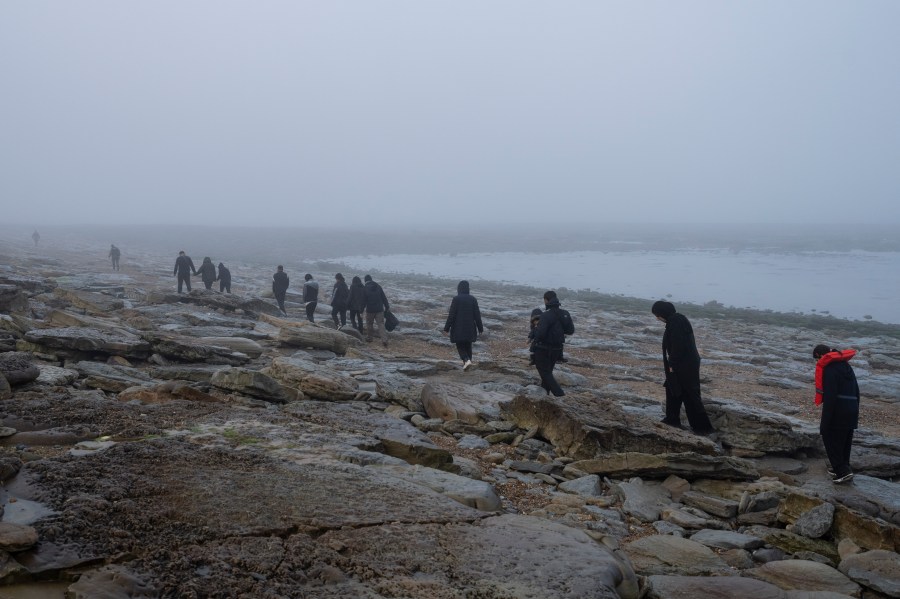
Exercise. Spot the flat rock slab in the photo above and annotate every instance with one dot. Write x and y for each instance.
(666, 554)
(877, 570)
(710, 587)
(255, 384)
(725, 539)
(472, 493)
(112, 378)
(95, 303)
(467, 403)
(186, 349)
(686, 465)
(803, 575)
(314, 380)
(88, 340)
(759, 431)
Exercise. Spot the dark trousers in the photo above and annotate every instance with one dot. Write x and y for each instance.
(464, 348)
(683, 387)
(343, 314)
(184, 279)
(208, 284)
(837, 443)
(544, 361)
(223, 286)
(356, 320)
(115, 263)
(310, 310)
(279, 297)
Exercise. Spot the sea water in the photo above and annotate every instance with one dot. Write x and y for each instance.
(854, 284)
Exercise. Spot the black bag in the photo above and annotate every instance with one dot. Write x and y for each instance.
(390, 321)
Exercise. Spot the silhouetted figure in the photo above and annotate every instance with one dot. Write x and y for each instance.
(280, 284)
(184, 266)
(36, 237)
(114, 254)
(340, 293)
(356, 302)
(549, 337)
(224, 279)
(310, 296)
(464, 323)
(681, 362)
(207, 272)
(533, 322)
(838, 393)
(376, 304)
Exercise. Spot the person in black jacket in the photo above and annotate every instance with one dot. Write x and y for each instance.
(339, 296)
(356, 302)
(280, 283)
(464, 323)
(224, 278)
(549, 336)
(376, 304)
(114, 255)
(838, 392)
(207, 272)
(310, 296)
(681, 362)
(184, 266)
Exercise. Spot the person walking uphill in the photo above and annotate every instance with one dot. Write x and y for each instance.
(464, 323)
(376, 304)
(837, 391)
(184, 266)
(280, 283)
(114, 254)
(356, 303)
(224, 278)
(207, 272)
(310, 296)
(340, 293)
(548, 339)
(681, 362)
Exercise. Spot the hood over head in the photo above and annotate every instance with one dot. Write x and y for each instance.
(463, 287)
(663, 309)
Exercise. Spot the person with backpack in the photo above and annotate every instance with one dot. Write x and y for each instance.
(310, 296)
(356, 303)
(224, 278)
(548, 339)
(464, 323)
(681, 362)
(376, 304)
(837, 391)
(339, 295)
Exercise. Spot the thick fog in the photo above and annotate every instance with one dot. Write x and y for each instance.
(297, 113)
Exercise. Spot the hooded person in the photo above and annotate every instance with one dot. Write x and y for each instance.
(376, 304)
(339, 295)
(114, 255)
(310, 296)
(837, 391)
(207, 272)
(280, 283)
(356, 303)
(184, 266)
(681, 363)
(464, 323)
(224, 278)
(548, 339)
(532, 325)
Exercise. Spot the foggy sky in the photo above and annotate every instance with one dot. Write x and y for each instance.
(346, 113)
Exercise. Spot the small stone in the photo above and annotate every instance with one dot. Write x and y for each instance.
(814, 523)
(17, 537)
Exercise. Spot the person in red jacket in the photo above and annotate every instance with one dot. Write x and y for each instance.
(837, 391)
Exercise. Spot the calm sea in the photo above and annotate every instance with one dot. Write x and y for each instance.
(854, 284)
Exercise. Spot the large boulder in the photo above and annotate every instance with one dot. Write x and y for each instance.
(88, 340)
(466, 403)
(314, 380)
(18, 368)
(186, 349)
(253, 383)
(878, 570)
(754, 431)
(317, 337)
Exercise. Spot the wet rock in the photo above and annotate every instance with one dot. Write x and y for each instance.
(94, 341)
(713, 587)
(795, 574)
(686, 465)
(18, 368)
(49, 559)
(66, 435)
(254, 384)
(451, 401)
(666, 554)
(314, 380)
(110, 582)
(17, 537)
(878, 570)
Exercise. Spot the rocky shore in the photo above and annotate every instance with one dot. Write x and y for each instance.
(202, 445)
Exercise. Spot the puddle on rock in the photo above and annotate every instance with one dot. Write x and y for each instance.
(38, 590)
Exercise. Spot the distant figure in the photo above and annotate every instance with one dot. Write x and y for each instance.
(549, 337)
(838, 393)
(356, 302)
(464, 323)
(36, 237)
(280, 284)
(533, 322)
(681, 362)
(340, 293)
(207, 272)
(224, 279)
(114, 254)
(310, 296)
(376, 304)
(184, 266)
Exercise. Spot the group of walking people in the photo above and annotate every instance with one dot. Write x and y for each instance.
(184, 268)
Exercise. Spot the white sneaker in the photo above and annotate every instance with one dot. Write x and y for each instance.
(467, 364)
